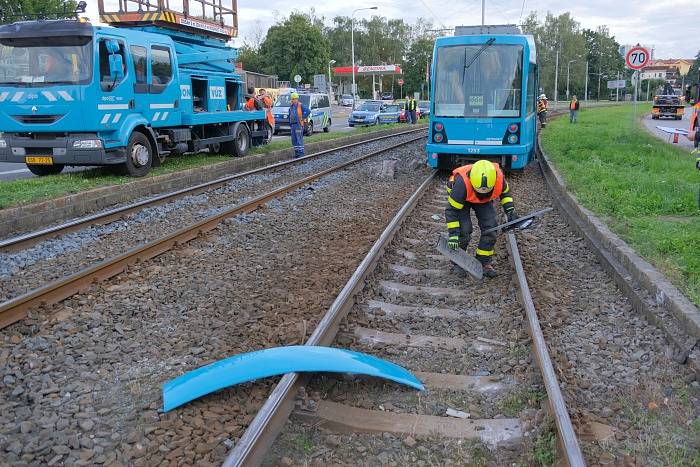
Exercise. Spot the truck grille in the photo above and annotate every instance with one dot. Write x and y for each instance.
(37, 119)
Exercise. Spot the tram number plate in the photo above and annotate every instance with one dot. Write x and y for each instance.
(476, 101)
(43, 160)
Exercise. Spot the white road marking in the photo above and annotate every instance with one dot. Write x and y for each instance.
(18, 171)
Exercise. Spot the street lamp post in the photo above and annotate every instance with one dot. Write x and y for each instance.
(330, 81)
(352, 47)
(567, 78)
(585, 92)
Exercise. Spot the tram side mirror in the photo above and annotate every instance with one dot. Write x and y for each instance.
(116, 61)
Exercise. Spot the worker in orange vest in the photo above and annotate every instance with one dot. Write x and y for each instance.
(573, 109)
(266, 101)
(475, 186)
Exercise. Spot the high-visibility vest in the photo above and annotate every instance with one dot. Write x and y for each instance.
(572, 105)
(471, 193)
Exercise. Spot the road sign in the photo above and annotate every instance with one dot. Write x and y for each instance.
(297, 79)
(617, 84)
(637, 58)
(400, 82)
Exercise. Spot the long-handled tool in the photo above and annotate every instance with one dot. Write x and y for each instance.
(519, 223)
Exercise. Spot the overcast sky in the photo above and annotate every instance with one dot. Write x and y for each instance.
(670, 26)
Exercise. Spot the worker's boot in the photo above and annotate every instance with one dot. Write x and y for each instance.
(489, 270)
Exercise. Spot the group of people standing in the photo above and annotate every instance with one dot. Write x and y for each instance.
(410, 110)
(543, 105)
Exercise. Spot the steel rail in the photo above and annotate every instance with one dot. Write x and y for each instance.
(269, 421)
(25, 240)
(16, 308)
(565, 429)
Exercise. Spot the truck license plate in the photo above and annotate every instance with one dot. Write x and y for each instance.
(42, 160)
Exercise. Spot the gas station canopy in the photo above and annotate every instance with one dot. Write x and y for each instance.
(368, 70)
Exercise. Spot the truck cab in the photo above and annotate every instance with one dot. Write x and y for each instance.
(73, 93)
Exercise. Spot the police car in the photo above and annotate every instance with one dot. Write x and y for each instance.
(320, 118)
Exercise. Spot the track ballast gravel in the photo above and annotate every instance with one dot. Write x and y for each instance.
(80, 380)
(57, 257)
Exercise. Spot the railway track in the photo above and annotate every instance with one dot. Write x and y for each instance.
(406, 304)
(29, 239)
(15, 309)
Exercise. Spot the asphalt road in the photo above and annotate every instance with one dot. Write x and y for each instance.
(12, 171)
(665, 122)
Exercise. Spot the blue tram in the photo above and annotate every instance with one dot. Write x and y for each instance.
(483, 98)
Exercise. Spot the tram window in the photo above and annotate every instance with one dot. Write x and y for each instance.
(489, 87)
(531, 77)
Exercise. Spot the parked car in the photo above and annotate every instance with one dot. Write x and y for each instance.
(387, 96)
(346, 100)
(320, 118)
(390, 113)
(366, 114)
(424, 107)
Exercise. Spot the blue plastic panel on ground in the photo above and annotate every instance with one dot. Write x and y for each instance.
(278, 361)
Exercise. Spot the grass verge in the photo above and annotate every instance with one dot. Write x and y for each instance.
(646, 190)
(27, 190)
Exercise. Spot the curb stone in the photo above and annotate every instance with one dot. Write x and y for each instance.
(43, 213)
(649, 291)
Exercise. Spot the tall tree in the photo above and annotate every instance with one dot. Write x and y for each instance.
(50, 8)
(295, 46)
(417, 60)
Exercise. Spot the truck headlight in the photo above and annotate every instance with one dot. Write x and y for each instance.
(3, 143)
(87, 144)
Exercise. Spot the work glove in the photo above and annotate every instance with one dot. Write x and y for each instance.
(453, 242)
(511, 215)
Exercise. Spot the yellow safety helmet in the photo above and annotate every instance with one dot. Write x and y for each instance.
(295, 95)
(483, 176)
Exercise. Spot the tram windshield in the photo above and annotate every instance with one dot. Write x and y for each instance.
(485, 85)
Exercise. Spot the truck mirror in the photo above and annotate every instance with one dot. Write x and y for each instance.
(116, 61)
(116, 67)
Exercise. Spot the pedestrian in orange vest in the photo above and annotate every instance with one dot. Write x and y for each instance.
(573, 109)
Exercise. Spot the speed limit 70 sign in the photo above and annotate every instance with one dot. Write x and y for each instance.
(637, 58)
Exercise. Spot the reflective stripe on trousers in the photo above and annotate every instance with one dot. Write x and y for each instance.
(297, 139)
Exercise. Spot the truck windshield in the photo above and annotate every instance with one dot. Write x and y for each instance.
(490, 87)
(36, 62)
(285, 100)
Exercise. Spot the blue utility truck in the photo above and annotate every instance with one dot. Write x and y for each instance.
(153, 83)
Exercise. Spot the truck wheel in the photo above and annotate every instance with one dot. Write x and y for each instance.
(139, 155)
(42, 170)
(240, 146)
